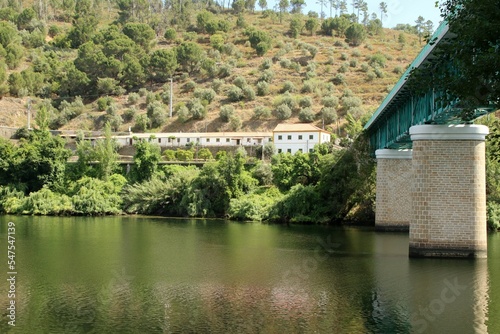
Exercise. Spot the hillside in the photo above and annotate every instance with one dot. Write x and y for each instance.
(358, 77)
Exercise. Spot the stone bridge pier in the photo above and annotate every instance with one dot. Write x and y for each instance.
(448, 193)
(437, 190)
(393, 202)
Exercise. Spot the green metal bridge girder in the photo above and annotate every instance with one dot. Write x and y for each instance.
(389, 126)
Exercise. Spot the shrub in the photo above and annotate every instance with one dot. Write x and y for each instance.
(306, 115)
(267, 76)
(305, 102)
(217, 84)
(262, 88)
(226, 112)
(266, 64)
(330, 101)
(129, 114)
(493, 215)
(225, 70)
(205, 94)
(344, 56)
(353, 63)
(235, 123)
(156, 113)
(351, 102)
(310, 86)
(343, 68)
(339, 79)
(329, 115)
(239, 81)
(142, 92)
(92, 196)
(248, 93)
(235, 94)
(190, 86)
(196, 109)
(183, 113)
(370, 76)
(170, 34)
(356, 53)
(46, 202)
(283, 112)
(288, 86)
(104, 102)
(285, 63)
(379, 73)
(398, 70)
(262, 112)
(377, 60)
(169, 155)
(365, 67)
(133, 98)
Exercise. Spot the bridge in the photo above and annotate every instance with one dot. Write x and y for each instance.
(430, 166)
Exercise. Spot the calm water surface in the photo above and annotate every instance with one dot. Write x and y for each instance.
(156, 275)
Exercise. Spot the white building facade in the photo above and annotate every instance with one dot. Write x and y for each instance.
(301, 137)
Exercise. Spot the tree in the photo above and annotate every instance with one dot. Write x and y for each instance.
(262, 4)
(189, 56)
(283, 7)
(140, 33)
(383, 11)
(322, 3)
(420, 21)
(464, 64)
(312, 25)
(162, 64)
(355, 34)
(297, 6)
(105, 155)
(296, 26)
(146, 158)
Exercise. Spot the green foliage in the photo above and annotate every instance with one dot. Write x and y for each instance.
(159, 196)
(377, 60)
(105, 155)
(296, 26)
(140, 33)
(288, 86)
(141, 123)
(254, 206)
(91, 196)
(205, 154)
(283, 112)
(170, 34)
(189, 56)
(162, 64)
(226, 112)
(300, 204)
(104, 102)
(259, 40)
(262, 88)
(196, 109)
(262, 112)
(184, 155)
(146, 158)
(330, 101)
(305, 102)
(169, 155)
(306, 115)
(46, 202)
(235, 94)
(355, 34)
(329, 115)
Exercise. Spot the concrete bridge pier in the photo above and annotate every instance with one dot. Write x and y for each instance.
(448, 217)
(394, 179)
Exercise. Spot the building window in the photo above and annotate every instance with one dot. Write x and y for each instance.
(228, 140)
(300, 137)
(280, 137)
(279, 150)
(300, 150)
(208, 140)
(259, 141)
(311, 136)
(289, 137)
(159, 140)
(248, 140)
(289, 150)
(310, 150)
(188, 140)
(178, 140)
(169, 140)
(217, 140)
(197, 140)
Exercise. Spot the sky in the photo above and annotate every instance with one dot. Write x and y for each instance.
(398, 11)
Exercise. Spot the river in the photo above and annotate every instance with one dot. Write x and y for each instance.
(161, 275)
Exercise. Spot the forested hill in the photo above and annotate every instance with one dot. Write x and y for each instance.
(233, 68)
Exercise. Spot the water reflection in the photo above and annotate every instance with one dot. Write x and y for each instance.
(133, 275)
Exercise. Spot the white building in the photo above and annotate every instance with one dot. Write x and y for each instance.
(301, 137)
(181, 139)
